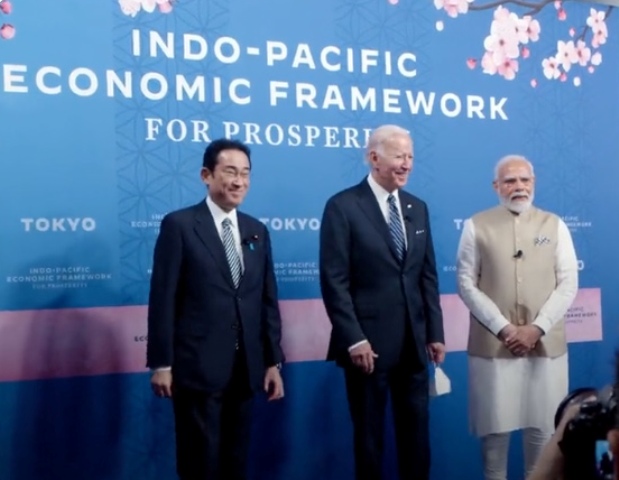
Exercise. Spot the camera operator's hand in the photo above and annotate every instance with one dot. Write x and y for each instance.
(523, 340)
(549, 465)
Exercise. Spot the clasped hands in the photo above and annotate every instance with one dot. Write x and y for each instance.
(520, 340)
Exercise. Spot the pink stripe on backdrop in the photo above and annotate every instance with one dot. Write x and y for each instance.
(41, 344)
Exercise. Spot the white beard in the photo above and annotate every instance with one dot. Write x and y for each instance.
(519, 206)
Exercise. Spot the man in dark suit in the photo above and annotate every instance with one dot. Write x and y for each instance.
(380, 288)
(214, 326)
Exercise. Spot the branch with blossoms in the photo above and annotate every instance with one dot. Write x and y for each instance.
(7, 30)
(133, 7)
(511, 36)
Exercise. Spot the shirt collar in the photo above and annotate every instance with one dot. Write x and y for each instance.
(219, 215)
(380, 193)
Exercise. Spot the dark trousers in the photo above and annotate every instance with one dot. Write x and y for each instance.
(212, 429)
(407, 384)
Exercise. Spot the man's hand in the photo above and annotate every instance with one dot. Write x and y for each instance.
(161, 383)
(363, 356)
(436, 352)
(520, 340)
(273, 384)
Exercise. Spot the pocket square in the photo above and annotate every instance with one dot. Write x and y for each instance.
(419, 232)
(541, 240)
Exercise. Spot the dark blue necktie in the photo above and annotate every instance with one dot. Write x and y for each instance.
(395, 227)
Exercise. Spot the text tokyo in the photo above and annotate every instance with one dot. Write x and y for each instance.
(62, 224)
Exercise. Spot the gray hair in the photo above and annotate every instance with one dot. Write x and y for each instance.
(382, 134)
(510, 158)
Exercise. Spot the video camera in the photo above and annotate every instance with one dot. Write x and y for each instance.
(585, 448)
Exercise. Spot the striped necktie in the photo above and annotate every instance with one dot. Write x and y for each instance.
(231, 253)
(395, 227)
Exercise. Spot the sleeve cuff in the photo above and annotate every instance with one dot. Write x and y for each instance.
(160, 369)
(499, 325)
(543, 324)
(356, 345)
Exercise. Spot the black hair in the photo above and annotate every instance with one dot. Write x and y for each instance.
(211, 154)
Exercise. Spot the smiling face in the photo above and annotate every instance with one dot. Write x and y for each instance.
(392, 161)
(228, 181)
(515, 185)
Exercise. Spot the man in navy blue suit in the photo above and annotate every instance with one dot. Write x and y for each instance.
(380, 288)
(214, 326)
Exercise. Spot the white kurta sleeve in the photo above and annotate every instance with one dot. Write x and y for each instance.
(480, 305)
(566, 270)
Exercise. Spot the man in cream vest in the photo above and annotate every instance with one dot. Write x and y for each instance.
(518, 275)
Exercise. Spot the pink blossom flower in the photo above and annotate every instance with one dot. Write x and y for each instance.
(557, 4)
(566, 54)
(453, 7)
(392, 2)
(166, 7)
(471, 63)
(576, 81)
(551, 68)
(534, 83)
(525, 52)
(149, 5)
(487, 64)
(508, 69)
(583, 53)
(563, 77)
(528, 29)
(7, 31)
(591, 69)
(130, 7)
(561, 14)
(572, 32)
(6, 7)
(599, 38)
(597, 22)
(596, 59)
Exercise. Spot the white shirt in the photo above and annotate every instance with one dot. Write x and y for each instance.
(382, 196)
(485, 310)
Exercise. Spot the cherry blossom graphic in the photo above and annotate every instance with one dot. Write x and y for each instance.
(7, 30)
(133, 7)
(514, 30)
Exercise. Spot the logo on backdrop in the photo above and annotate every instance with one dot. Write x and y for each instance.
(47, 277)
(277, 224)
(59, 224)
(575, 223)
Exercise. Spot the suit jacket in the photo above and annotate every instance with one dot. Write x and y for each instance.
(195, 312)
(368, 293)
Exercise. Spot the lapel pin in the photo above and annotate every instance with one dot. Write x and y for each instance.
(408, 206)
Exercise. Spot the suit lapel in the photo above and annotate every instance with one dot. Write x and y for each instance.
(249, 255)
(407, 213)
(370, 207)
(205, 229)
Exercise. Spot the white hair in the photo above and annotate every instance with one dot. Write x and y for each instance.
(380, 135)
(510, 158)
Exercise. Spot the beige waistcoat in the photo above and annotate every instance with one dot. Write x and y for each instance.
(518, 286)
